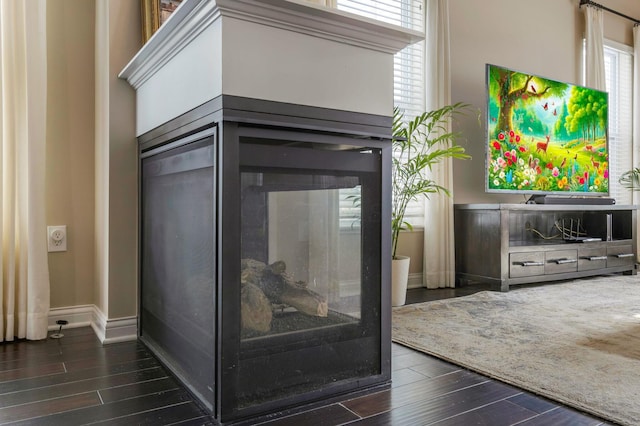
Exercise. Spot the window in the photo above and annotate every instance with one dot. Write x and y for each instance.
(408, 63)
(618, 62)
(618, 69)
(405, 13)
(409, 90)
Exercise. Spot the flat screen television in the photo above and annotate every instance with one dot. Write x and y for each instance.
(545, 136)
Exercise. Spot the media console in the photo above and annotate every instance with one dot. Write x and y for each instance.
(511, 244)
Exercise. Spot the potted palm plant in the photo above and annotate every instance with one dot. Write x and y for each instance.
(418, 145)
(631, 179)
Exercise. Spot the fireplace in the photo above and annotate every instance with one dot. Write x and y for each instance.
(264, 137)
(262, 254)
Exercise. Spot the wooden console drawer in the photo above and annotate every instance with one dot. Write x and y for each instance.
(559, 261)
(526, 264)
(620, 256)
(592, 258)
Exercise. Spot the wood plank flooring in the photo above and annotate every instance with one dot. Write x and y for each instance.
(75, 380)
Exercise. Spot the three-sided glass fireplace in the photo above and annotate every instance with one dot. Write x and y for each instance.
(294, 290)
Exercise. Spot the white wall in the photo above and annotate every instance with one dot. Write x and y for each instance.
(261, 57)
(92, 155)
(117, 29)
(124, 42)
(70, 148)
(542, 37)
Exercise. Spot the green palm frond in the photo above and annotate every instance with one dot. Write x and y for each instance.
(631, 179)
(418, 145)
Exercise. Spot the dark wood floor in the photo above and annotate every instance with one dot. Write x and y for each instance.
(76, 380)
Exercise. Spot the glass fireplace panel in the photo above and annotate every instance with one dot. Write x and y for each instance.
(310, 270)
(264, 238)
(178, 266)
(301, 266)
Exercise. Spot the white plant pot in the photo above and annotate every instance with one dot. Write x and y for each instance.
(399, 280)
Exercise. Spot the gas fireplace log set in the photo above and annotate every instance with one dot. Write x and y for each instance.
(267, 287)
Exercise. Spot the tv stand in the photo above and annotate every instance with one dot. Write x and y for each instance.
(511, 244)
(571, 201)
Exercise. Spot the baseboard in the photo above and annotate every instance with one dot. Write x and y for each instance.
(415, 280)
(353, 287)
(114, 330)
(76, 316)
(125, 329)
(107, 330)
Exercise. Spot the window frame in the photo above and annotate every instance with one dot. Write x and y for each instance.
(409, 69)
(620, 128)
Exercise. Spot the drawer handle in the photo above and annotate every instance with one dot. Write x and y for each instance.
(564, 260)
(592, 258)
(529, 263)
(621, 255)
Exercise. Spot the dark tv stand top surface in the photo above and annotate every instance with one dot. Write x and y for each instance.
(546, 207)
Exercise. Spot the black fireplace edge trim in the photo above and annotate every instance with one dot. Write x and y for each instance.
(176, 372)
(267, 113)
(211, 114)
(251, 416)
(254, 415)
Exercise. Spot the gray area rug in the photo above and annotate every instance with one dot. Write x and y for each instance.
(576, 342)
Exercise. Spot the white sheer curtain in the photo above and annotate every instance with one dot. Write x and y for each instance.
(24, 272)
(636, 109)
(439, 254)
(594, 35)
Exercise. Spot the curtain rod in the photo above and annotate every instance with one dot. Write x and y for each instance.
(615, 12)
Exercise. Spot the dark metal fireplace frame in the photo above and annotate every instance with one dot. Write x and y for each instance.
(223, 122)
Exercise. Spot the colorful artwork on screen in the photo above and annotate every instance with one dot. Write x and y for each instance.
(545, 136)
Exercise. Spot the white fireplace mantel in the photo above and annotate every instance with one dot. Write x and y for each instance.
(280, 50)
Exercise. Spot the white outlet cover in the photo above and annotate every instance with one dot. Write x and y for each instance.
(57, 238)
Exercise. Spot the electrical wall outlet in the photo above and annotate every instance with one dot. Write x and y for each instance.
(57, 238)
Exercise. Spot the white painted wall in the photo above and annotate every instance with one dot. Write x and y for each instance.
(92, 158)
(116, 173)
(269, 63)
(70, 148)
(542, 37)
(124, 41)
(342, 63)
(191, 78)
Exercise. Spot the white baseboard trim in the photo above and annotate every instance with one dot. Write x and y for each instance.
(108, 330)
(114, 330)
(126, 328)
(415, 280)
(76, 316)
